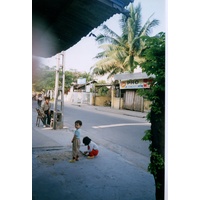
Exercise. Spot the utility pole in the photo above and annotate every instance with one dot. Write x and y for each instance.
(58, 115)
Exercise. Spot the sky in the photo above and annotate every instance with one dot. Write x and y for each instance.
(87, 48)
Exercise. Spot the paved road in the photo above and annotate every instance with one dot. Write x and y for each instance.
(115, 131)
(108, 177)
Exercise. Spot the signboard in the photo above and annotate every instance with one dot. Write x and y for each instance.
(134, 84)
(81, 81)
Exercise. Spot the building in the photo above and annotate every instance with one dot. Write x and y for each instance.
(127, 91)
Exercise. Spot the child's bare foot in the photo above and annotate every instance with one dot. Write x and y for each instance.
(90, 157)
(72, 161)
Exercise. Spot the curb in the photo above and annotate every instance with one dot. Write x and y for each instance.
(115, 111)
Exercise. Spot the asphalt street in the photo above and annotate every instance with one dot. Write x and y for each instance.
(109, 176)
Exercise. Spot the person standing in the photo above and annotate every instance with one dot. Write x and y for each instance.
(45, 108)
(39, 100)
(76, 141)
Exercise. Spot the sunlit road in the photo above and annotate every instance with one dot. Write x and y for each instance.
(120, 170)
(119, 133)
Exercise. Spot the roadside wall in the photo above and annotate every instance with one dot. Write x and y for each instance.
(102, 100)
(117, 103)
(78, 97)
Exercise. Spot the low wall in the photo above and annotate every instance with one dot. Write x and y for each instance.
(117, 103)
(78, 97)
(102, 100)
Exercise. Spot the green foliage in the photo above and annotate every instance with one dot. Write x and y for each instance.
(121, 53)
(154, 54)
(155, 64)
(147, 135)
(44, 78)
(157, 163)
(103, 91)
(72, 77)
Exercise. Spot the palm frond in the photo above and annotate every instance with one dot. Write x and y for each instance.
(110, 32)
(136, 19)
(119, 53)
(147, 28)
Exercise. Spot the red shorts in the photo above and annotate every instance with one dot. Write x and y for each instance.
(93, 152)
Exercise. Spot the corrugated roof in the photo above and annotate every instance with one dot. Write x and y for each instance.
(78, 86)
(57, 25)
(132, 76)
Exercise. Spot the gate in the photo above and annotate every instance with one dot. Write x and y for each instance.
(129, 100)
(132, 101)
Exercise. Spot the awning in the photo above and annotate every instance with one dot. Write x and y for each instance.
(59, 24)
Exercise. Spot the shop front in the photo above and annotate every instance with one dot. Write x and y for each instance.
(130, 85)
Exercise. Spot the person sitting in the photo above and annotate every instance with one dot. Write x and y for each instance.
(93, 148)
(45, 108)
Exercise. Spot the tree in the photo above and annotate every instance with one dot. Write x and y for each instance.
(121, 53)
(72, 77)
(154, 55)
(44, 77)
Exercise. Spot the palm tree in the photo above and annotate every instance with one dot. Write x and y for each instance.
(121, 53)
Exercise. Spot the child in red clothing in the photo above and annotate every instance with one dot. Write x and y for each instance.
(93, 148)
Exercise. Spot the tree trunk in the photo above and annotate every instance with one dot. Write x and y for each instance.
(158, 143)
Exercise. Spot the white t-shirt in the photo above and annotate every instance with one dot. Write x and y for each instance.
(92, 146)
